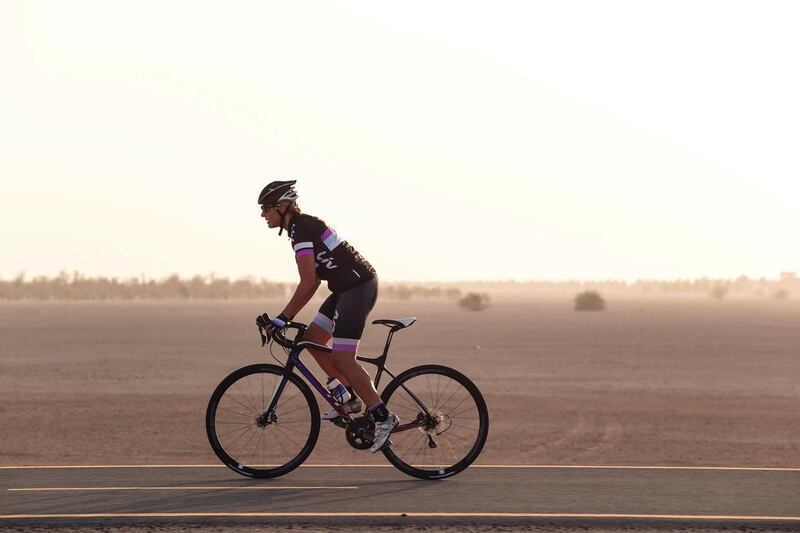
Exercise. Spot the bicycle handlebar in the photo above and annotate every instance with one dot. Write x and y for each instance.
(266, 330)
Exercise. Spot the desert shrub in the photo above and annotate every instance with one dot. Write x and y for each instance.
(780, 294)
(474, 301)
(718, 292)
(589, 301)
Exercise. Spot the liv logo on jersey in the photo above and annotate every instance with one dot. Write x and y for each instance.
(327, 261)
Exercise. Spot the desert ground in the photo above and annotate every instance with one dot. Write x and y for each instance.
(658, 381)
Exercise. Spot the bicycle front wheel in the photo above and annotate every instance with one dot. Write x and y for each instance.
(444, 437)
(250, 440)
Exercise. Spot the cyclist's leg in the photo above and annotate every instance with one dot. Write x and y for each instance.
(352, 308)
(317, 334)
(321, 331)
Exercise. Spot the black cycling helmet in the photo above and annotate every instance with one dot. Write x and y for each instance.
(276, 192)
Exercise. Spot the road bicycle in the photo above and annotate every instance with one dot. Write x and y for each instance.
(263, 420)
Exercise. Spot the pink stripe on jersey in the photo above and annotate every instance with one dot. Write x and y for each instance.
(304, 251)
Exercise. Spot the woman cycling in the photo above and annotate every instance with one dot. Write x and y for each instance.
(321, 254)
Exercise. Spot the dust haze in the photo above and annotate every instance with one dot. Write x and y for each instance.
(668, 374)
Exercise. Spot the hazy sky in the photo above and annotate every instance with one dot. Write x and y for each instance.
(444, 140)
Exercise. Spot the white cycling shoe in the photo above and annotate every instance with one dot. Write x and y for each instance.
(351, 407)
(382, 432)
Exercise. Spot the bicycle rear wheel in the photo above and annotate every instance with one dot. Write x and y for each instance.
(249, 440)
(449, 438)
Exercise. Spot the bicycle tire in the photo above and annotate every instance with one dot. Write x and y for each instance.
(247, 412)
(402, 458)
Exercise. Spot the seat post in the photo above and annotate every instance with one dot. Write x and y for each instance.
(388, 341)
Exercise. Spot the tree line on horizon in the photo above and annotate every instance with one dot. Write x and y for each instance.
(75, 286)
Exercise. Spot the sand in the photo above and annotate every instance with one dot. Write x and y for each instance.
(646, 382)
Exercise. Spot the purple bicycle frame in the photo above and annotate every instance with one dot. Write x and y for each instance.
(294, 361)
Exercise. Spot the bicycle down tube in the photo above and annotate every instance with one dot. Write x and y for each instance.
(294, 361)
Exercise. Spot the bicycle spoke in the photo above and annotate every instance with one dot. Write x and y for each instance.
(402, 438)
(258, 444)
(455, 391)
(415, 409)
(247, 398)
(281, 430)
(452, 452)
(410, 440)
(253, 396)
(289, 427)
(467, 440)
(422, 448)
(452, 409)
(234, 441)
(248, 407)
(293, 410)
(233, 431)
(439, 397)
(244, 447)
(459, 415)
(263, 400)
(430, 388)
(236, 412)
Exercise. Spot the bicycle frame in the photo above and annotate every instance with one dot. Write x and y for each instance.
(294, 361)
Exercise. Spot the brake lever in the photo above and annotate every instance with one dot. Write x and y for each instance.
(264, 338)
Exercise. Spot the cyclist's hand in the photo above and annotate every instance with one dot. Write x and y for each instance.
(279, 321)
(264, 321)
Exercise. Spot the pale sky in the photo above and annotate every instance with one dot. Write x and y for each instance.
(443, 140)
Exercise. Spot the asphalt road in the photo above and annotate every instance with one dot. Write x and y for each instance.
(384, 495)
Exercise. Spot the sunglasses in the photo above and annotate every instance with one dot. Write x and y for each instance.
(265, 207)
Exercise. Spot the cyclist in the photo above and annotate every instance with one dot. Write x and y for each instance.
(321, 254)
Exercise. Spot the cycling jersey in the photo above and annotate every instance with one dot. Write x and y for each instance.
(336, 261)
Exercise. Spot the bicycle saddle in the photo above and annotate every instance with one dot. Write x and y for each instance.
(400, 323)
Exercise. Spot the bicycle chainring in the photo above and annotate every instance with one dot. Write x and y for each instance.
(359, 433)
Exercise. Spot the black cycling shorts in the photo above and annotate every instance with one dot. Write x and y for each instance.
(344, 314)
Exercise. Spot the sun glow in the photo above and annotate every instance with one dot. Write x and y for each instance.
(513, 141)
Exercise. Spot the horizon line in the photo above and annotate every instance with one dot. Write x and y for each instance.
(782, 276)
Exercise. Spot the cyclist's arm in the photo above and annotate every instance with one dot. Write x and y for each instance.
(309, 282)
